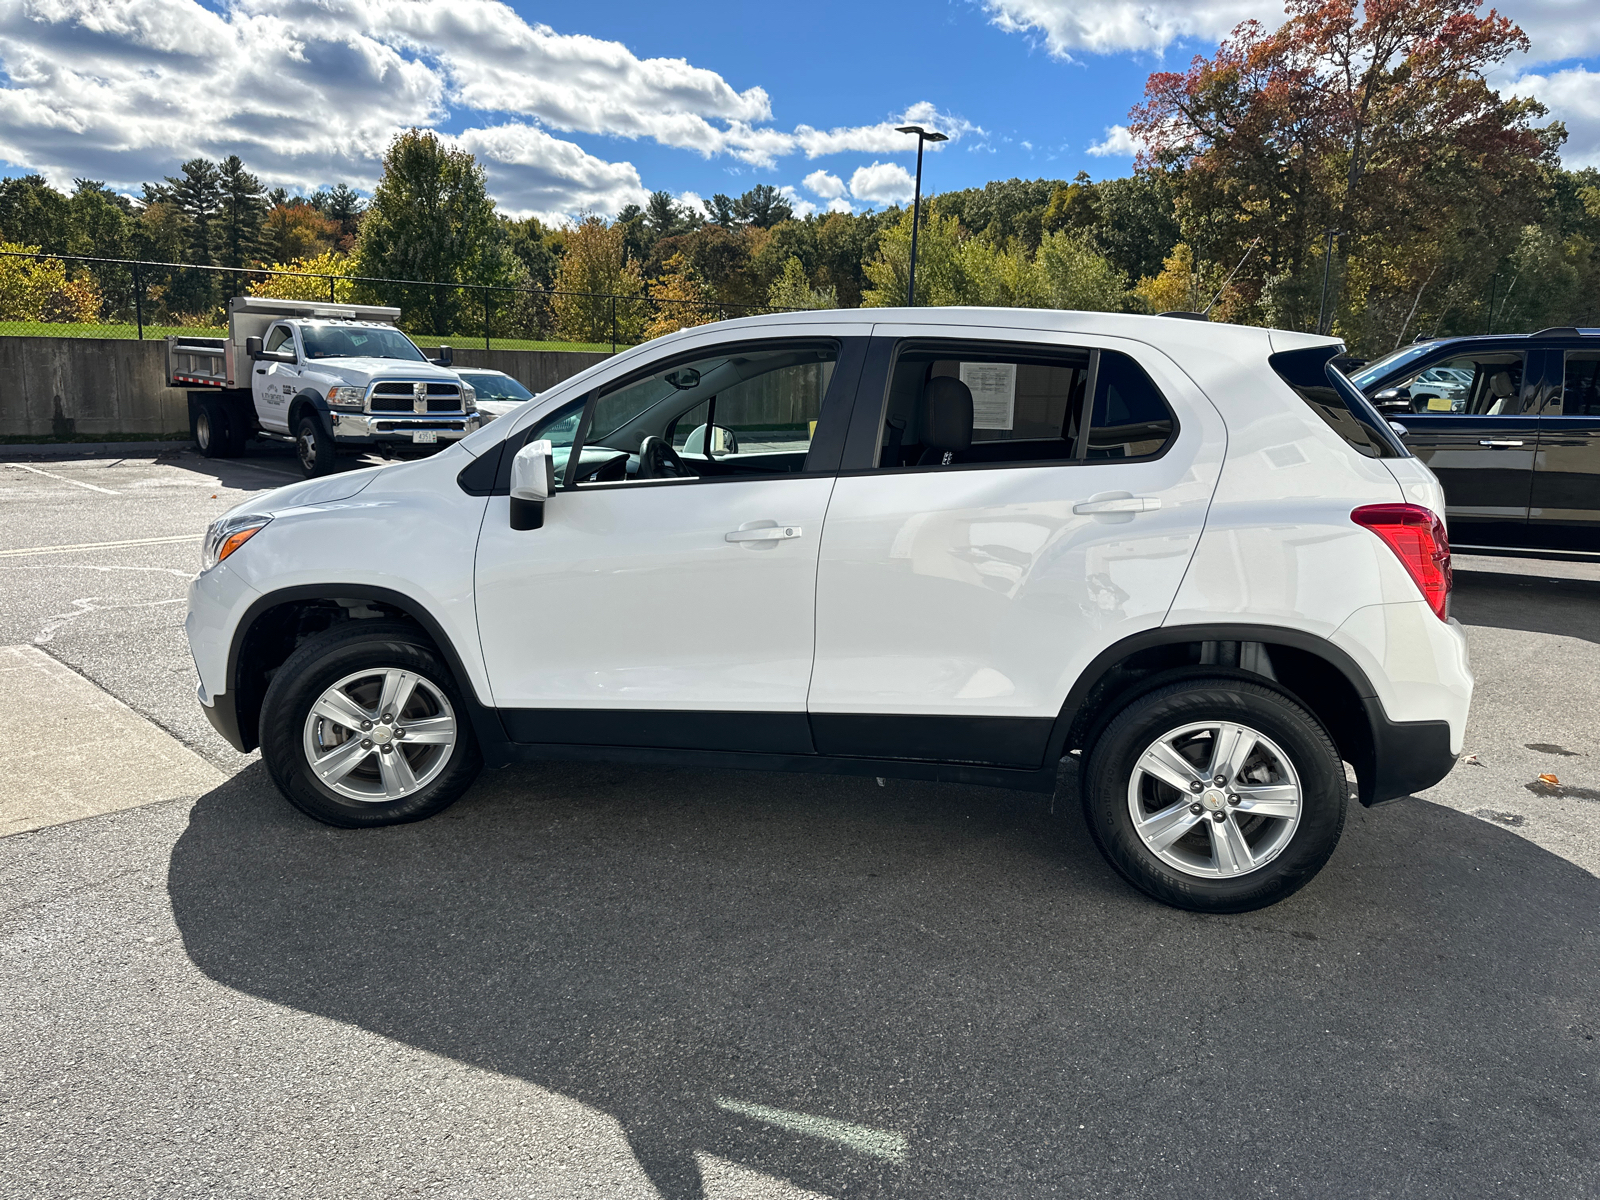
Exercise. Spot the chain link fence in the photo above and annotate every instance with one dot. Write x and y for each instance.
(65, 295)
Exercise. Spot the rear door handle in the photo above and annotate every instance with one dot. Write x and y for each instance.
(1126, 504)
(767, 533)
(1498, 442)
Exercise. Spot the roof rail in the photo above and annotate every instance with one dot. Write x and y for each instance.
(1425, 337)
(1558, 331)
(1187, 316)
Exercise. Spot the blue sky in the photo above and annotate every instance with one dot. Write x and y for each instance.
(586, 108)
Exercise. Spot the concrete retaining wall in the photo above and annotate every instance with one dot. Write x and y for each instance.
(91, 387)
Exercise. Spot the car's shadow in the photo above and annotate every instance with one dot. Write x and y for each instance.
(950, 966)
(1531, 602)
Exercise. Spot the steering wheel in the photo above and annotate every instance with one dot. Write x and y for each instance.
(658, 460)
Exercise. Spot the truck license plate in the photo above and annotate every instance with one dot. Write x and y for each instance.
(424, 437)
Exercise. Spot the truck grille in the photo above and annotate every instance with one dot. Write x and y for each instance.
(399, 397)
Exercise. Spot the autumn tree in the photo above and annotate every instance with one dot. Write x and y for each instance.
(1374, 121)
(595, 286)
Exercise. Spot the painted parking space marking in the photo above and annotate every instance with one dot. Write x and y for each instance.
(160, 541)
(93, 487)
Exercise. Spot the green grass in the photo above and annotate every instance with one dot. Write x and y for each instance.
(154, 333)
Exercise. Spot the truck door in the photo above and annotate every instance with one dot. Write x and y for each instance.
(1565, 510)
(1475, 423)
(273, 384)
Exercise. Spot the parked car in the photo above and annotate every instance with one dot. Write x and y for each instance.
(1510, 424)
(497, 393)
(1187, 558)
(330, 378)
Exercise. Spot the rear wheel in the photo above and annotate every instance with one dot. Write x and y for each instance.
(1215, 795)
(313, 447)
(364, 725)
(213, 429)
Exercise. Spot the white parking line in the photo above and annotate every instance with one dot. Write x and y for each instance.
(93, 487)
(160, 541)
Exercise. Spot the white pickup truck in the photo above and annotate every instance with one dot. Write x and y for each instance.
(327, 377)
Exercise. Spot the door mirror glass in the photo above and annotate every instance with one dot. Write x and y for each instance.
(723, 441)
(252, 347)
(532, 482)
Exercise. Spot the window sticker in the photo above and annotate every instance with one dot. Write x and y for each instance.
(994, 393)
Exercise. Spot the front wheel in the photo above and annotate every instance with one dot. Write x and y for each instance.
(364, 725)
(1215, 795)
(314, 447)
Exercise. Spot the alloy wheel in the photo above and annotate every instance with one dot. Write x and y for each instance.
(1215, 799)
(380, 734)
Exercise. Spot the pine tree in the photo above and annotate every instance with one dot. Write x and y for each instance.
(239, 229)
(197, 193)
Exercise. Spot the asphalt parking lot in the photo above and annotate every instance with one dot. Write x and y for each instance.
(609, 981)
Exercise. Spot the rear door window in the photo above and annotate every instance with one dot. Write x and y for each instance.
(1580, 384)
(955, 404)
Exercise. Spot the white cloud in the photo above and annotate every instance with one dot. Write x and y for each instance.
(840, 205)
(885, 137)
(533, 174)
(820, 183)
(1574, 97)
(1118, 143)
(882, 183)
(1108, 26)
(1559, 29)
(802, 207)
(310, 92)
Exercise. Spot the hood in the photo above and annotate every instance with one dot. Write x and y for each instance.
(313, 491)
(372, 368)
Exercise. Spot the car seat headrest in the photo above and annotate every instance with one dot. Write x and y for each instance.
(1500, 384)
(946, 414)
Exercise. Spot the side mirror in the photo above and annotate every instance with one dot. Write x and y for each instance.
(444, 357)
(252, 348)
(533, 481)
(1391, 400)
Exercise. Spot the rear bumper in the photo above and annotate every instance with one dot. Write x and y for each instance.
(1407, 756)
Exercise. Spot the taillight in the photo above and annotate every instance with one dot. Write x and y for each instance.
(1417, 536)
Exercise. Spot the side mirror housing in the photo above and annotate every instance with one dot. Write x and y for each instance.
(252, 347)
(444, 357)
(533, 481)
(1391, 400)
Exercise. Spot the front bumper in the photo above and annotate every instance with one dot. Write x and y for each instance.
(368, 429)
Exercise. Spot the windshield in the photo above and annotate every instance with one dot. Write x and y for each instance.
(1372, 372)
(358, 341)
(492, 385)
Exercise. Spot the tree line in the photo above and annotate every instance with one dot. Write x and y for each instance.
(1350, 170)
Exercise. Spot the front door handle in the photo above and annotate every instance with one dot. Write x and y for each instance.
(1498, 442)
(1124, 504)
(767, 533)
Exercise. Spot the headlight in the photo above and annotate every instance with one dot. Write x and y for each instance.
(227, 534)
(469, 398)
(345, 397)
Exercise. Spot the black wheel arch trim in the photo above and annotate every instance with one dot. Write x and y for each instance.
(314, 401)
(1397, 757)
(240, 730)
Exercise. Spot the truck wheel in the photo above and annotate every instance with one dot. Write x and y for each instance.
(314, 447)
(1215, 795)
(213, 429)
(364, 725)
(238, 434)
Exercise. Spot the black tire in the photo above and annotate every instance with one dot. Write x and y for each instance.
(238, 433)
(213, 429)
(313, 446)
(321, 662)
(1293, 854)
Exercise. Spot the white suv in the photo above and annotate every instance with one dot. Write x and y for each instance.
(954, 544)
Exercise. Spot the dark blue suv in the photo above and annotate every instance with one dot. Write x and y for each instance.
(1510, 423)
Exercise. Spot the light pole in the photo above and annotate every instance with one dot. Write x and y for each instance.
(923, 135)
(1327, 265)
